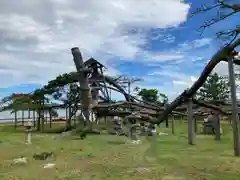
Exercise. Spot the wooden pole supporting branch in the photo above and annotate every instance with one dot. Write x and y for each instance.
(235, 117)
(173, 128)
(195, 124)
(166, 105)
(34, 118)
(190, 122)
(15, 118)
(22, 117)
(50, 118)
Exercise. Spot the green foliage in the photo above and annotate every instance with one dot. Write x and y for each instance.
(56, 87)
(151, 95)
(54, 113)
(215, 88)
(23, 102)
(163, 97)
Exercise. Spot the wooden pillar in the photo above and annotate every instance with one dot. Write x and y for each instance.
(190, 122)
(173, 128)
(22, 117)
(34, 118)
(217, 128)
(166, 104)
(15, 119)
(29, 113)
(105, 120)
(195, 124)
(235, 117)
(74, 119)
(42, 114)
(38, 119)
(66, 115)
(68, 118)
(50, 118)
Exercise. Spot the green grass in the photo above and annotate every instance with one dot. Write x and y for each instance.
(165, 157)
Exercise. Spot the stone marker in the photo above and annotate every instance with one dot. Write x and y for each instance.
(28, 130)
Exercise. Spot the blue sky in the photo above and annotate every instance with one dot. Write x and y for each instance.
(164, 47)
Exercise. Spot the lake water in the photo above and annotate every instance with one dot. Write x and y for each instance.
(6, 116)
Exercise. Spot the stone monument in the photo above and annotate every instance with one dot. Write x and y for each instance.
(28, 132)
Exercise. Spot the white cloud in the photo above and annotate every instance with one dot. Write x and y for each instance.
(175, 81)
(166, 57)
(201, 42)
(197, 43)
(36, 36)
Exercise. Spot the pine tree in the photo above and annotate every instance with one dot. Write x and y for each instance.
(216, 87)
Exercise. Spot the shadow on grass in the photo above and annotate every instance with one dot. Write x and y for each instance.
(115, 142)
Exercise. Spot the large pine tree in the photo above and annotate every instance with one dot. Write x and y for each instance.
(216, 87)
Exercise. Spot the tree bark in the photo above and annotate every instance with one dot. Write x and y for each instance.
(83, 81)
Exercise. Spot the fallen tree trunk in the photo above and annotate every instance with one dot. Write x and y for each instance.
(219, 56)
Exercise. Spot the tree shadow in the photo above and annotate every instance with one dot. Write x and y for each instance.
(116, 142)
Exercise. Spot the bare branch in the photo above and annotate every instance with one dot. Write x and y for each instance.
(203, 9)
(219, 18)
(223, 11)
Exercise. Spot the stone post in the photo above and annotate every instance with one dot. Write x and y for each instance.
(28, 132)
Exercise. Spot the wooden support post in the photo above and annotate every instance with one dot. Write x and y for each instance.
(38, 119)
(173, 128)
(105, 120)
(74, 120)
(29, 113)
(235, 117)
(38, 115)
(22, 117)
(70, 113)
(190, 123)
(50, 118)
(15, 119)
(217, 127)
(166, 104)
(195, 124)
(34, 118)
(66, 115)
(42, 113)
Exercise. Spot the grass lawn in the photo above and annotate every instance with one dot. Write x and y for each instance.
(109, 157)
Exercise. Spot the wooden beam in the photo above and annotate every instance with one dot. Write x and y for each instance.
(235, 117)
